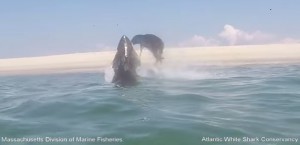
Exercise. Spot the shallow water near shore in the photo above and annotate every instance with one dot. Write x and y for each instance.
(168, 107)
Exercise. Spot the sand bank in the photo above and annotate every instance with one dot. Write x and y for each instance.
(98, 61)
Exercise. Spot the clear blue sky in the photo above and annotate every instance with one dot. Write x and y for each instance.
(46, 27)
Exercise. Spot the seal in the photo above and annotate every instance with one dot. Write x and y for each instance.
(152, 42)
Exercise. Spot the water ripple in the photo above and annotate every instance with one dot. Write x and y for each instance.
(226, 101)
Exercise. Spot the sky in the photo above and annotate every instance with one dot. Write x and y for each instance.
(49, 27)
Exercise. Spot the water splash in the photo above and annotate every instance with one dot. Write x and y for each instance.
(108, 74)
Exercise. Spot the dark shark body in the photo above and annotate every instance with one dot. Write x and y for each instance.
(125, 64)
(152, 42)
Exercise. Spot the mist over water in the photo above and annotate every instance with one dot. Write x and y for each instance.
(171, 105)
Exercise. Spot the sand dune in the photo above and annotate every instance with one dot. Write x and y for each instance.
(98, 61)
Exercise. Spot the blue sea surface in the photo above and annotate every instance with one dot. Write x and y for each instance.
(188, 106)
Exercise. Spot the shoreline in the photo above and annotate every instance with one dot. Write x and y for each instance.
(174, 57)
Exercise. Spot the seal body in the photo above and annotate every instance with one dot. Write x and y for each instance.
(151, 42)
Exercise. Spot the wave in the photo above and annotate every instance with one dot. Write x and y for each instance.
(177, 73)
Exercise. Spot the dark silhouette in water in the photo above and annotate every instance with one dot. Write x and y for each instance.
(152, 42)
(125, 63)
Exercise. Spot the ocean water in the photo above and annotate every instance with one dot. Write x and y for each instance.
(183, 106)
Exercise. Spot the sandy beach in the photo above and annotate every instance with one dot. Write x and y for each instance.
(98, 61)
